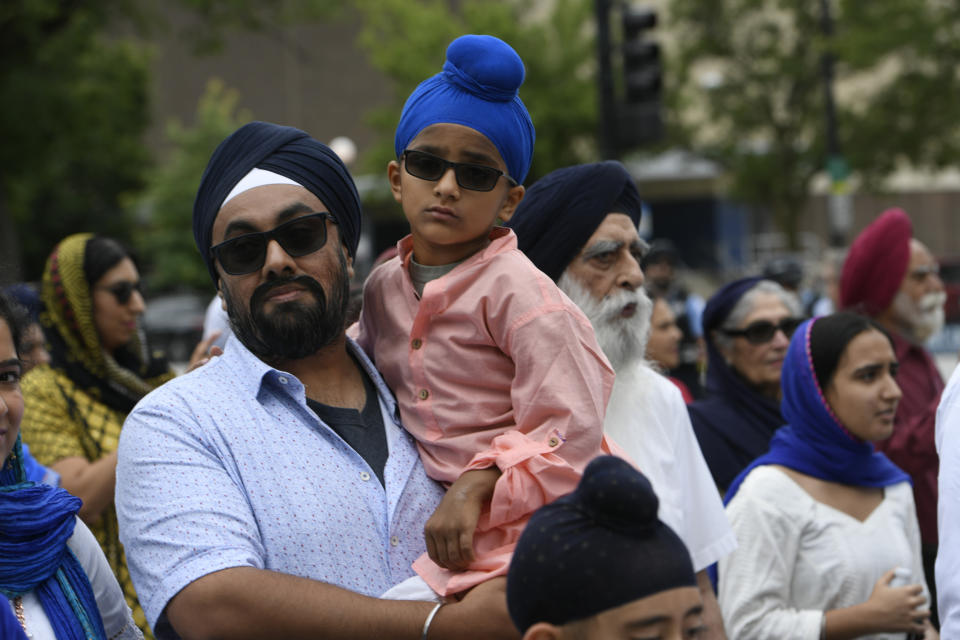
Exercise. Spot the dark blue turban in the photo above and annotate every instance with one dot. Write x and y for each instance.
(597, 548)
(285, 151)
(478, 89)
(562, 209)
(28, 297)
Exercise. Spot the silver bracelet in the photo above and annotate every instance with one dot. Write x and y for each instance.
(430, 617)
(823, 626)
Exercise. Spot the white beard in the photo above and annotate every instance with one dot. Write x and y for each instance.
(922, 319)
(623, 340)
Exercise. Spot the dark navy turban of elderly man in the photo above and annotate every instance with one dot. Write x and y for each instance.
(261, 153)
(561, 210)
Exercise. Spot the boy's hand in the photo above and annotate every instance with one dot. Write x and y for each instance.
(449, 531)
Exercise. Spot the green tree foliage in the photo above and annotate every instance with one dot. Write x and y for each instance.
(73, 109)
(167, 203)
(763, 117)
(407, 40)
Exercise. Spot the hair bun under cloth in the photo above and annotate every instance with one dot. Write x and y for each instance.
(594, 549)
(617, 498)
(478, 89)
(485, 66)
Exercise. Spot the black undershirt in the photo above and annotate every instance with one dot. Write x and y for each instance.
(362, 430)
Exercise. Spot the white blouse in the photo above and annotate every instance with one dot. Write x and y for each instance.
(117, 619)
(798, 558)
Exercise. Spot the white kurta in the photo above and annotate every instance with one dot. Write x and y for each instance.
(646, 416)
(117, 619)
(799, 558)
(948, 508)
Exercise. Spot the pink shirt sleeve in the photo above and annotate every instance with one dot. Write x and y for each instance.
(559, 394)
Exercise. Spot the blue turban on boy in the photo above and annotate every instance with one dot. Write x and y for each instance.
(286, 151)
(478, 89)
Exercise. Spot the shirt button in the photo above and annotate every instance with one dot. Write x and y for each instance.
(394, 541)
(424, 394)
(283, 379)
(364, 476)
(554, 441)
(416, 343)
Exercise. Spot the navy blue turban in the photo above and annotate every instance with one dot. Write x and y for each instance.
(562, 209)
(597, 548)
(478, 89)
(27, 297)
(285, 151)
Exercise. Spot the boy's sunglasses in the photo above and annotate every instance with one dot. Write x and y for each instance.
(762, 331)
(123, 291)
(298, 237)
(475, 177)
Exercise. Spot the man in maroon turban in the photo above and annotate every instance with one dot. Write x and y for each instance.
(892, 277)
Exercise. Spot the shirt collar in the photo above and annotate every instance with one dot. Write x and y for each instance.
(502, 239)
(253, 372)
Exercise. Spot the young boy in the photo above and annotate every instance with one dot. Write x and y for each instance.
(497, 374)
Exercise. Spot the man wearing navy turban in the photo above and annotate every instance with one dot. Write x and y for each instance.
(579, 226)
(272, 493)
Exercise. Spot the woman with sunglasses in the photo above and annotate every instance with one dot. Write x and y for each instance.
(829, 545)
(747, 326)
(52, 571)
(100, 368)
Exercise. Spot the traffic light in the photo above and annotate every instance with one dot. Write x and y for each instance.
(639, 118)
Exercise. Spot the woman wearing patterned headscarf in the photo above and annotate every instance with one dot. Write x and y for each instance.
(99, 369)
(52, 571)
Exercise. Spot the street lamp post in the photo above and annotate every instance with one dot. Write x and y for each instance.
(839, 204)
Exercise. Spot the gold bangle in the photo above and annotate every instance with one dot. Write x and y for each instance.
(430, 617)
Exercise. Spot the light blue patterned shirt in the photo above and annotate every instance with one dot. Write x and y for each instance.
(226, 466)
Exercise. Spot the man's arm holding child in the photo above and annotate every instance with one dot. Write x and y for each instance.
(245, 602)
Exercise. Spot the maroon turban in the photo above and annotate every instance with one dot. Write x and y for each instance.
(876, 264)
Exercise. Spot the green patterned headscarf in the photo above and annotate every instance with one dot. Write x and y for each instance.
(119, 379)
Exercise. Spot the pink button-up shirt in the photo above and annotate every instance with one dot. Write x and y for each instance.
(492, 366)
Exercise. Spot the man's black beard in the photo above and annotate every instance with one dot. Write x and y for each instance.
(295, 329)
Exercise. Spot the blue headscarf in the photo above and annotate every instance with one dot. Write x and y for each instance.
(9, 625)
(814, 442)
(35, 523)
(286, 151)
(561, 210)
(478, 89)
(734, 423)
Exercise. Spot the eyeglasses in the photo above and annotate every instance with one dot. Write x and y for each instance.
(476, 177)
(123, 291)
(762, 331)
(298, 237)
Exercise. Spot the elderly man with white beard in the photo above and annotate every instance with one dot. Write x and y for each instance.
(579, 226)
(891, 276)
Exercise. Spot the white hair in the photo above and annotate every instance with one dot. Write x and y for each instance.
(623, 340)
(923, 318)
(745, 305)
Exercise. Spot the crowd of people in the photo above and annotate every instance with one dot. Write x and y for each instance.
(516, 438)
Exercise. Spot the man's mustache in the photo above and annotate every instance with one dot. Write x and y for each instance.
(310, 284)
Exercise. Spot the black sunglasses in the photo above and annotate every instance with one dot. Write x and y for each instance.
(298, 237)
(763, 331)
(123, 291)
(476, 177)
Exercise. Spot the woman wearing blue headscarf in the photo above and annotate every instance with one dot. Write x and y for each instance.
(55, 577)
(826, 525)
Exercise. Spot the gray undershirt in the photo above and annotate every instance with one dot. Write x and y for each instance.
(421, 274)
